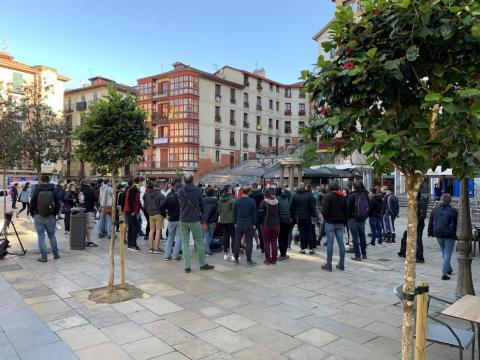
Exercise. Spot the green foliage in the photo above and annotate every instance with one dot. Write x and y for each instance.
(10, 132)
(405, 85)
(309, 154)
(113, 134)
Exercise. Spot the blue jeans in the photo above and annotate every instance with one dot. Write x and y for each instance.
(105, 224)
(447, 246)
(335, 231)
(357, 229)
(376, 229)
(208, 237)
(47, 224)
(174, 240)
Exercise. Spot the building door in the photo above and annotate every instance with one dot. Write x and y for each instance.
(232, 160)
(245, 157)
(164, 158)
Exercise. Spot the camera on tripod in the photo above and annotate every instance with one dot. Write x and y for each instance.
(4, 242)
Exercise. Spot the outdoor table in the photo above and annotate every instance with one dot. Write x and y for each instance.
(467, 308)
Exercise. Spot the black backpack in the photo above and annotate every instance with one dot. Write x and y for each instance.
(362, 207)
(45, 203)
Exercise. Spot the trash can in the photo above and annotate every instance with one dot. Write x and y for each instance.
(77, 229)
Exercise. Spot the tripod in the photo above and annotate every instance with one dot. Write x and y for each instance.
(4, 233)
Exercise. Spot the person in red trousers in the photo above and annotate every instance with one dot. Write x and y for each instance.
(270, 220)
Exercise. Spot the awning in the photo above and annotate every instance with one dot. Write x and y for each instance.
(439, 172)
(327, 172)
(251, 171)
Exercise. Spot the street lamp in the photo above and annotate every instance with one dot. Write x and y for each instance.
(464, 246)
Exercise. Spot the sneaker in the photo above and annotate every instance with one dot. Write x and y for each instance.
(57, 256)
(236, 262)
(151, 250)
(354, 258)
(302, 251)
(283, 258)
(42, 259)
(372, 244)
(133, 248)
(251, 263)
(101, 236)
(312, 252)
(364, 257)
(445, 277)
(207, 267)
(158, 251)
(187, 270)
(91, 244)
(168, 259)
(326, 267)
(232, 258)
(266, 262)
(225, 257)
(340, 267)
(208, 254)
(400, 254)
(273, 263)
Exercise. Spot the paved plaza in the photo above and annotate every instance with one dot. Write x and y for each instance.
(292, 310)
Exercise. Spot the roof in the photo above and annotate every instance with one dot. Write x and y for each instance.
(260, 77)
(328, 172)
(322, 30)
(252, 171)
(117, 86)
(7, 61)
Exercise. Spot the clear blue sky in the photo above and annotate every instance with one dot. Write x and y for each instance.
(126, 40)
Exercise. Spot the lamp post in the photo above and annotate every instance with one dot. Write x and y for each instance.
(464, 246)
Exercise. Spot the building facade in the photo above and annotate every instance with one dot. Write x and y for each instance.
(78, 101)
(204, 122)
(14, 76)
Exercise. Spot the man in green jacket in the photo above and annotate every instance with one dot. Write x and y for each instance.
(225, 212)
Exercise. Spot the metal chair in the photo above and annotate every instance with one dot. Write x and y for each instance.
(442, 333)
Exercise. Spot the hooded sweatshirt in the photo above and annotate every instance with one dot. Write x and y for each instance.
(153, 200)
(334, 209)
(283, 209)
(268, 212)
(44, 187)
(225, 209)
(302, 206)
(210, 214)
(191, 203)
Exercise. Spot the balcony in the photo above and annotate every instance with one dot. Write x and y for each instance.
(218, 118)
(233, 142)
(156, 117)
(233, 122)
(81, 106)
(259, 127)
(233, 101)
(246, 124)
(301, 112)
(288, 130)
(246, 104)
(259, 107)
(245, 144)
(288, 112)
(218, 142)
(160, 141)
(159, 95)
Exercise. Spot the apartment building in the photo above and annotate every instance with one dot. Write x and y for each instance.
(78, 101)
(14, 76)
(204, 122)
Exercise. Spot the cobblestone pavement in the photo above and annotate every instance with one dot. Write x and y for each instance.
(293, 310)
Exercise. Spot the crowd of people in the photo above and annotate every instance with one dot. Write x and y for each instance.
(230, 219)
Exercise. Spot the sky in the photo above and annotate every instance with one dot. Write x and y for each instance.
(127, 40)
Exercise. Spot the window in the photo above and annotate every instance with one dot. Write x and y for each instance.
(232, 117)
(17, 85)
(288, 92)
(245, 80)
(183, 132)
(245, 120)
(270, 104)
(245, 140)
(69, 104)
(164, 88)
(277, 106)
(259, 85)
(183, 108)
(288, 109)
(277, 124)
(218, 90)
(270, 123)
(232, 139)
(301, 124)
(218, 139)
(258, 142)
(185, 84)
(277, 88)
(259, 121)
(259, 103)
(217, 156)
(288, 127)
(145, 90)
(184, 156)
(301, 109)
(163, 110)
(287, 143)
(301, 94)
(162, 132)
(95, 97)
(270, 141)
(232, 96)
(271, 87)
(218, 118)
(245, 100)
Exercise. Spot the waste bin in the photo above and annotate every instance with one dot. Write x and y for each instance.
(77, 229)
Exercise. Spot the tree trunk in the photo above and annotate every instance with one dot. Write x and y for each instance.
(4, 193)
(413, 182)
(111, 250)
(122, 252)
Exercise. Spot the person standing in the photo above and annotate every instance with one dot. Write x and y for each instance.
(443, 226)
(70, 200)
(302, 211)
(357, 213)
(14, 195)
(191, 209)
(375, 216)
(257, 195)
(153, 201)
(209, 218)
(334, 212)
(390, 213)
(245, 217)
(225, 212)
(268, 214)
(437, 192)
(87, 200)
(285, 223)
(171, 210)
(105, 203)
(44, 207)
(132, 214)
(24, 198)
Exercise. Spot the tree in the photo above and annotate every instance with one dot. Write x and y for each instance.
(44, 131)
(114, 133)
(403, 89)
(10, 137)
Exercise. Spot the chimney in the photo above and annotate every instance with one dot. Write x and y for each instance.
(99, 80)
(260, 72)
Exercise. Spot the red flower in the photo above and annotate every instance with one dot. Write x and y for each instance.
(349, 65)
(324, 111)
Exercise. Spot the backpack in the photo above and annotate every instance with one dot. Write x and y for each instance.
(45, 203)
(361, 207)
(443, 223)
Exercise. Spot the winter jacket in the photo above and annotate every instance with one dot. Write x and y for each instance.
(152, 201)
(390, 205)
(375, 206)
(302, 205)
(70, 200)
(87, 198)
(210, 210)
(25, 195)
(225, 209)
(132, 200)
(351, 198)
(284, 210)
(334, 209)
(257, 195)
(44, 187)
(444, 229)
(245, 211)
(268, 212)
(191, 203)
(171, 207)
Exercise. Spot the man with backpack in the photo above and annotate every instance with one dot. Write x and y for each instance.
(44, 208)
(357, 214)
(390, 213)
(87, 200)
(443, 226)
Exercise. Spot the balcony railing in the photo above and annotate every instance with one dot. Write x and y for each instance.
(218, 118)
(159, 117)
(246, 104)
(81, 106)
(159, 95)
(151, 165)
(259, 107)
(301, 112)
(160, 141)
(233, 101)
(288, 112)
(218, 142)
(246, 124)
